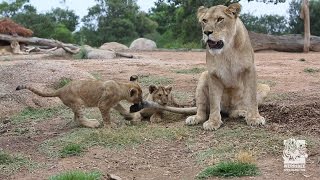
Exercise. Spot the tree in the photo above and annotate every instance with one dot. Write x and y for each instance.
(115, 20)
(13, 8)
(266, 24)
(64, 16)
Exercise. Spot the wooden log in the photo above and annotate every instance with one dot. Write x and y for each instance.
(284, 43)
(305, 16)
(70, 48)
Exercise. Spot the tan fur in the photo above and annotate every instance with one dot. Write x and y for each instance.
(161, 95)
(14, 48)
(93, 93)
(230, 84)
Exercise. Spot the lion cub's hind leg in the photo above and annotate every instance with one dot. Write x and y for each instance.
(156, 117)
(78, 111)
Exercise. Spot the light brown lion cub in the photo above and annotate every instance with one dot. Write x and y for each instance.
(93, 93)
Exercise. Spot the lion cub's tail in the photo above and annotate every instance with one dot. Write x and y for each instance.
(262, 92)
(38, 92)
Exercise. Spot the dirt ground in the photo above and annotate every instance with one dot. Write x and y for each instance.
(292, 110)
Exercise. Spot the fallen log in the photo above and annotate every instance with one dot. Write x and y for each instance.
(284, 43)
(70, 48)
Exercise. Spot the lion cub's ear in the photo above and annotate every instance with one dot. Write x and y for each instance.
(152, 88)
(134, 78)
(233, 10)
(168, 89)
(133, 92)
(201, 12)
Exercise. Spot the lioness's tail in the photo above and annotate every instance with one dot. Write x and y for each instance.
(190, 110)
(262, 92)
(38, 92)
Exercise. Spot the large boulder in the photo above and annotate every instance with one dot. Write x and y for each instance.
(100, 54)
(113, 46)
(143, 44)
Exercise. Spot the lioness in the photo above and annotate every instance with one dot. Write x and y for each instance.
(93, 93)
(230, 84)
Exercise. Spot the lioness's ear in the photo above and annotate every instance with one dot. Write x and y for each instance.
(233, 10)
(134, 78)
(152, 88)
(168, 89)
(133, 92)
(201, 12)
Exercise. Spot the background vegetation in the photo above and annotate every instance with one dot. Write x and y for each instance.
(171, 23)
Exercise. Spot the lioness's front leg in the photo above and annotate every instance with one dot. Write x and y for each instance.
(215, 94)
(250, 99)
(78, 111)
(202, 95)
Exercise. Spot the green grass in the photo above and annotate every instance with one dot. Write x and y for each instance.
(229, 169)
(77, 175)
(155, 80)
(194, 70)
(96, 75)
(311, 70)
(71, 150)
(12, 163)
(39, 114)
(240, 137)
(62, 82)
(112, 138)
(82, 54)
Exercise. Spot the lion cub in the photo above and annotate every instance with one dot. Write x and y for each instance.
(161, 95)
(93, 93)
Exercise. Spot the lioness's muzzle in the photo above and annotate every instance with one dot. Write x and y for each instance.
(215, 44)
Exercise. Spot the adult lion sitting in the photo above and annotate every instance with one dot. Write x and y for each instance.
(230, 83)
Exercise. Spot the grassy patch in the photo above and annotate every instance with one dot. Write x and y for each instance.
(268, 82)
(39, 114)
(241, 137)
(112, 138)
(71, 150)
(96, 75)
(62, 82)
(82, 54)
(229, 169)
(12, 163)
(155, 80)
(77, 175)
(311, 70)
(194, 70)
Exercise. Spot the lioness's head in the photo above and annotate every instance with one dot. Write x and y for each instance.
(218, 26)
(160, 94)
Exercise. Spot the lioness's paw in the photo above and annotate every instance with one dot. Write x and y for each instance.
(212, 125)
(254, 121)
(191, 120)
(238, 113)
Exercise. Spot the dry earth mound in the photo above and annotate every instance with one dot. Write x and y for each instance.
(40, 74)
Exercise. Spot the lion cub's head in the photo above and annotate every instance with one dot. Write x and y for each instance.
(160, 94)
(218, 26)
(135, 92)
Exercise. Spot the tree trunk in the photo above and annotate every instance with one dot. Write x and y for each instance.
(70, 48)
(284, 43)
(304, 14)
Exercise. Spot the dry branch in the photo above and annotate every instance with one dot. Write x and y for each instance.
(284, 43)
(70, 48)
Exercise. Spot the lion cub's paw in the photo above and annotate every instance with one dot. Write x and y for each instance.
(212, 125)
(91, 123)
(191, 120)
(238, 113)
(254, 121)
(155, 119)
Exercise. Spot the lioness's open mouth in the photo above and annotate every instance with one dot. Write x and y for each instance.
(215, 44)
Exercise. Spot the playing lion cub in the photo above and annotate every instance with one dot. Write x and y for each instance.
(94, 93)
(230, 84)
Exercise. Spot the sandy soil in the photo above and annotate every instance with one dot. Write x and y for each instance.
(293, 107)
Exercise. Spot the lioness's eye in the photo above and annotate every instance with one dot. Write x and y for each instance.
(204, 20)
(220, 19)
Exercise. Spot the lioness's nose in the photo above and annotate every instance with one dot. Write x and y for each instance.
(208, 32)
